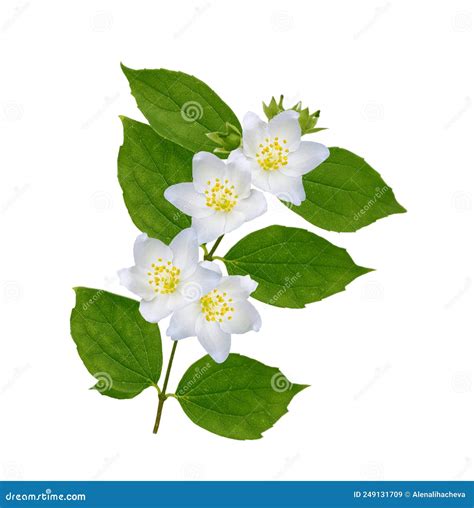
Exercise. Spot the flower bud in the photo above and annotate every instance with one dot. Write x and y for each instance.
(226, 141)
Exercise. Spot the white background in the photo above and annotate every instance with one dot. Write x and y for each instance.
(390, 360)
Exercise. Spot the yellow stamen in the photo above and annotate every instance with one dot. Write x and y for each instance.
(215, 306)
(272, 155)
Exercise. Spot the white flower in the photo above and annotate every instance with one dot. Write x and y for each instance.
(218, 314)
(165, 277)
(278, 156)
(219, 198)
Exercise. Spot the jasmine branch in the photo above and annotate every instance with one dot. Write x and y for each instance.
(208, 256)
(162, 395)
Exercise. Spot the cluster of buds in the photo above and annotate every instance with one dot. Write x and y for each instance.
(226, 141)
(231, 138)
(307, 120)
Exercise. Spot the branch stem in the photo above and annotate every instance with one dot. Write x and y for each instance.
(208, 256)
(162, 396)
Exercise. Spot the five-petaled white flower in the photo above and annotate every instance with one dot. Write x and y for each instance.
(167, 277)
(219, 198)
(278, 156)
(218, 314)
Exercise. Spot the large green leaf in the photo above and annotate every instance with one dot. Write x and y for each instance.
(292, 266)
(147, 165)
(180, 107)
(345, 194)
(239, 399)
(118, 347)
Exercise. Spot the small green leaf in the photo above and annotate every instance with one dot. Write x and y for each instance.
(292, 266)
(239, 399)
(345, 194)
(118, 347)
(147, 165)
(180, 107)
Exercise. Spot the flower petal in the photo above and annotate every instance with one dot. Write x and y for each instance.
(308, 156)
(233, 220)
(147, 250)
(184, 197)
(238, 287)
(206, 167)
(239, 174)
(255, 131)
(213, 339)
(209, 228)
(183, 322)
(252, 207)
(244, 318)
(156, 309)
(260, 177)
(209, 265)
(238, 157)
(135, 279)
(175, 301)
(185, 249)
(201, 282)
(286, 126)
(287, 188)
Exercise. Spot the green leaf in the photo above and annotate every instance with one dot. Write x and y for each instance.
(147, 165)
(180, 107)
(292, 266)
(118, 347)
(239, 399)
(345, 194)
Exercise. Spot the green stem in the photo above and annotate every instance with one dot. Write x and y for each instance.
(162, 396)
(208, 257)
